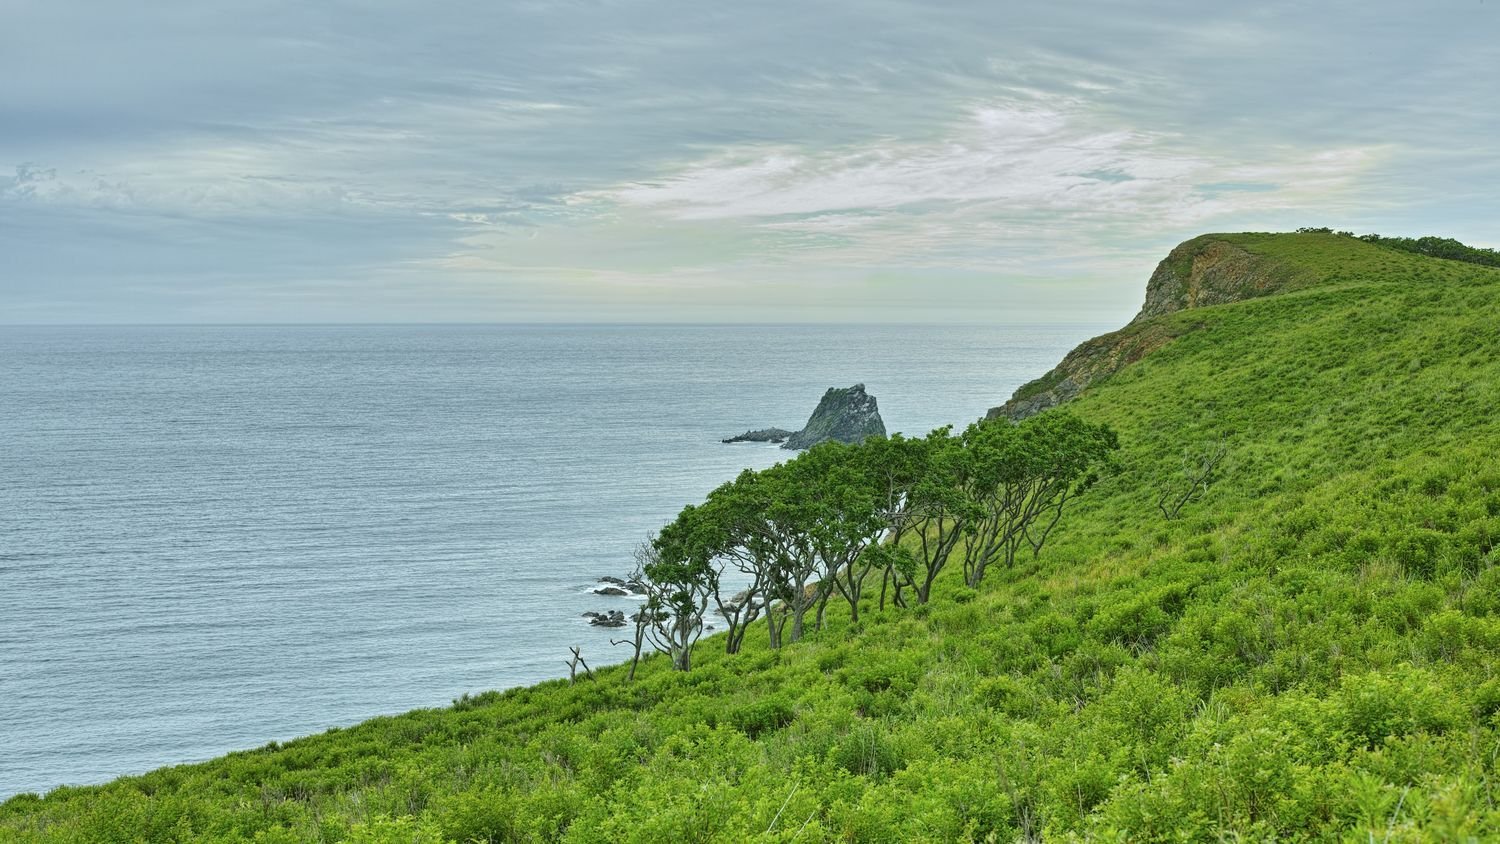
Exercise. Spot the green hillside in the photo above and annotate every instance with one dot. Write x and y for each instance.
(1310, 650)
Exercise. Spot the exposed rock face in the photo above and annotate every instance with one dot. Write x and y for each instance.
(764, 435)
(1203, 271)
(848, 415)
(1094, 360)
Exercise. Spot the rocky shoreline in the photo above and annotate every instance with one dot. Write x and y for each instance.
(608, 618)
(764, 435)
(614, 587)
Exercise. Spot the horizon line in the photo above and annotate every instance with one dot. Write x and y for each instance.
(551, 324)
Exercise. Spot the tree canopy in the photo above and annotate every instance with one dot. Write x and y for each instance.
(781, 542)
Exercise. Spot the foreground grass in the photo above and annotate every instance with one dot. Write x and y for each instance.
(1308, 652)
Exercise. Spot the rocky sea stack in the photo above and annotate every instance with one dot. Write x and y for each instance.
(848, 415)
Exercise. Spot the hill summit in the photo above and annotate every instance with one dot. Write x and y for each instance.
(1212, 269)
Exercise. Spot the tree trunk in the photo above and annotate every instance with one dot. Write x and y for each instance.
(924, 589)
(976, 574)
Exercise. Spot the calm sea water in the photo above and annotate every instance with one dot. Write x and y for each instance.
(213, 537)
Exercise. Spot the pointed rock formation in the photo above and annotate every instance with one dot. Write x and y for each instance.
(848, 415)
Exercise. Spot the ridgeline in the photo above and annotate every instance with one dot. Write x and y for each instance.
(1280, 618)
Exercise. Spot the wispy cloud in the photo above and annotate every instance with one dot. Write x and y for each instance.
(1036, 159)
(675, 159)
(1025, 177)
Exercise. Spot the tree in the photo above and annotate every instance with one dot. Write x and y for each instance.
(1200, 468)
(1022, 476)
(678, 585)
(723, 530)
(575, 661)
(843, 491)
(945, 506)
(894, 465)
(793, 564)
(761, 524)
(643, 554)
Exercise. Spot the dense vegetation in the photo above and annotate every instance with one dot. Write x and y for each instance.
(1305, 648)
(826, 522)
(1433, 247)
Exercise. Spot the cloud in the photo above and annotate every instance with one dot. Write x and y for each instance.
(492, 154)
(1021, 174)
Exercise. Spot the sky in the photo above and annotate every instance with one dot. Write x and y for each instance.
(704, 161)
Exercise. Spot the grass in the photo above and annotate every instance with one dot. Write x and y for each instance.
(1312, 651)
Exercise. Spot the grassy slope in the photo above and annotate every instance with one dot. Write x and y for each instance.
(1311, 651)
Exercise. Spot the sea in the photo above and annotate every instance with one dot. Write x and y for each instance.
(213, 537)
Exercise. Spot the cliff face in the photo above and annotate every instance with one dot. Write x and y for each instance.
(1093, 360)
(1204, 271)
(848, 415)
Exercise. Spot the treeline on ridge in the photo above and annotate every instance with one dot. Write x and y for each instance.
(1432, 247)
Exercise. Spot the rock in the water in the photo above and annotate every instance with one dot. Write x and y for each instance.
(848, 415)
(764, 435)
(613, 618)
(611, 590)
(615, 580)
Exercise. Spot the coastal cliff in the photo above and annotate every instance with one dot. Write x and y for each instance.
(1205, 271)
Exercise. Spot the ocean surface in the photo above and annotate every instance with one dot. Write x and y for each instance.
(215, 537)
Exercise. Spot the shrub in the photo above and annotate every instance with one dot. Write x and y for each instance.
(1378, 705)
(762, 716)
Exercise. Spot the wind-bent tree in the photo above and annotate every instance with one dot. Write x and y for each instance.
(839, 494)
(1022, 476)
(640, 619)
(792, 580)
(678, 584)
(928, 506)
(1200, 468)
(894, 465)
(778, 532)
(735, 529)
(943, 508)
(821, 513)
(723, 532)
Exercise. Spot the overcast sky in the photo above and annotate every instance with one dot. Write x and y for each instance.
(259, 160)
